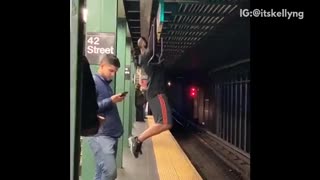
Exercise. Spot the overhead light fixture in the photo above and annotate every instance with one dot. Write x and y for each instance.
(85, 14)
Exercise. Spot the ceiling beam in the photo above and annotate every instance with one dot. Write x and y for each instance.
(145, 13)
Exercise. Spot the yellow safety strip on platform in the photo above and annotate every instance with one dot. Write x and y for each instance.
(172, 162)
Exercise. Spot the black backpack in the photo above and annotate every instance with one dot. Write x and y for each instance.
(89, 123)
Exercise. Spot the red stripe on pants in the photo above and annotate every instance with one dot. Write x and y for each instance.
(163, 109)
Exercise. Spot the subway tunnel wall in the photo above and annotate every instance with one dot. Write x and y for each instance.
(221, 105)
(179, 93)
(230, 91)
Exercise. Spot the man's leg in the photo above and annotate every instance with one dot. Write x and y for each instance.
(139, 115)
(98, 155)
(115, 156)
(152, 131)
(162, 115)
(108, 165)
(144, 112)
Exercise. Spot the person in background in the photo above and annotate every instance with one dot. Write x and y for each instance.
(139, 102)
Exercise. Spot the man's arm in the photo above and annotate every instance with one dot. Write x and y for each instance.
(151, 44)
(104, 105)
(148, 52)
(107, 103)
(150, 49)
(150, 40)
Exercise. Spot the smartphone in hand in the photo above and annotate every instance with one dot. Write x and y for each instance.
(124, 93)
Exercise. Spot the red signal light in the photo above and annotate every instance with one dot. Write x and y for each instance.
(193, 92)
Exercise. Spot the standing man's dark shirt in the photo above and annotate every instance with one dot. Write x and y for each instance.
(113, 126)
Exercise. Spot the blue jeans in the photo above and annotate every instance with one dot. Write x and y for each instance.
(104, 149)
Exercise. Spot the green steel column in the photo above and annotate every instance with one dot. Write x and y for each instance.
(127, 102)
(74, 11)
(121, 54)
(102, 17)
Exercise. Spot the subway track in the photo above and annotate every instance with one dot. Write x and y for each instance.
(212, 157)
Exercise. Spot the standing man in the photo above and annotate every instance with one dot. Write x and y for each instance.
(104, 143)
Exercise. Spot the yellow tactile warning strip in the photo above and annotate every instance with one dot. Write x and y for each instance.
(172, 162)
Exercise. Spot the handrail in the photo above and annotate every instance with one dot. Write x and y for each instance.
(177, 121)
(174, 111)
(187, 122)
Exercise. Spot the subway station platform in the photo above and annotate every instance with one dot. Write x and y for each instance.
(162, 159)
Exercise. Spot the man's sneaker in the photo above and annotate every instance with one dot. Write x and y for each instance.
(135, 146)
(139, 145)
